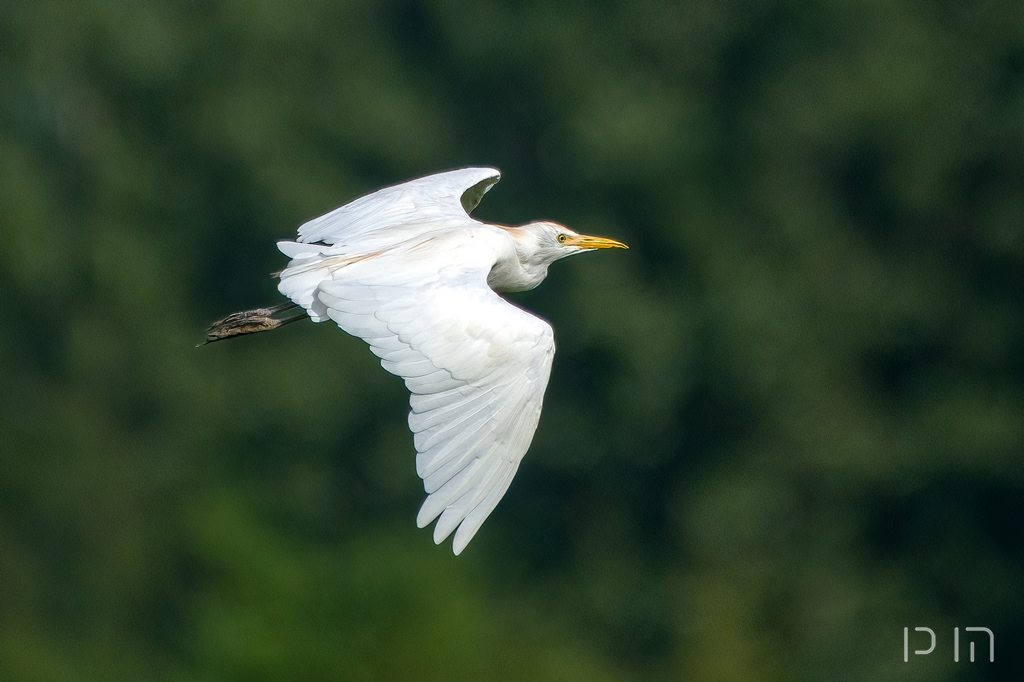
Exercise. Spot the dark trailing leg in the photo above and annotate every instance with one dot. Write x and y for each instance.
(250, 322)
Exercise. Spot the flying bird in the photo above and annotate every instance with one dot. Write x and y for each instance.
(407, 270)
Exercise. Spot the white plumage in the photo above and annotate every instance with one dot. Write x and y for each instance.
(407, 270)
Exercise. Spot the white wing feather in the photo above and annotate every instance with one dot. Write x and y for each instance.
(452, 194)
(476, 366)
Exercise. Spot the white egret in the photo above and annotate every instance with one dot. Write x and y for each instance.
(407, 270)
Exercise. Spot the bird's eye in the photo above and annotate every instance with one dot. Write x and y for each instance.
(562, 238)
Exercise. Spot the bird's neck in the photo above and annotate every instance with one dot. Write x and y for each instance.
(509, 274)
(512, 273)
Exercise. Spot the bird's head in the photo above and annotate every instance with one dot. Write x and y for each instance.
(543, 242)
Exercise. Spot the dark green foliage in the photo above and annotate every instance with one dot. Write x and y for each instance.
(785, 425)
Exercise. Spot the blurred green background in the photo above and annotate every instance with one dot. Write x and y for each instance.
(785, 425)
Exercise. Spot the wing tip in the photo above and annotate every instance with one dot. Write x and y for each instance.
(442, 531)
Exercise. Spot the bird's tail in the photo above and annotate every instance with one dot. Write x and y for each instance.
(250, 322)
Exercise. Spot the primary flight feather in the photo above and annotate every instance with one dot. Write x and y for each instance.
(408, 270)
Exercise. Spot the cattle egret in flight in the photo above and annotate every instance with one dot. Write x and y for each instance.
(407, 270)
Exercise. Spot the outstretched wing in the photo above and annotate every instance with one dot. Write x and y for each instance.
(452, 194)
(476, 367)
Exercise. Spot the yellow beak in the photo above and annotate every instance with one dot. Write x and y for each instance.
(585, 241)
